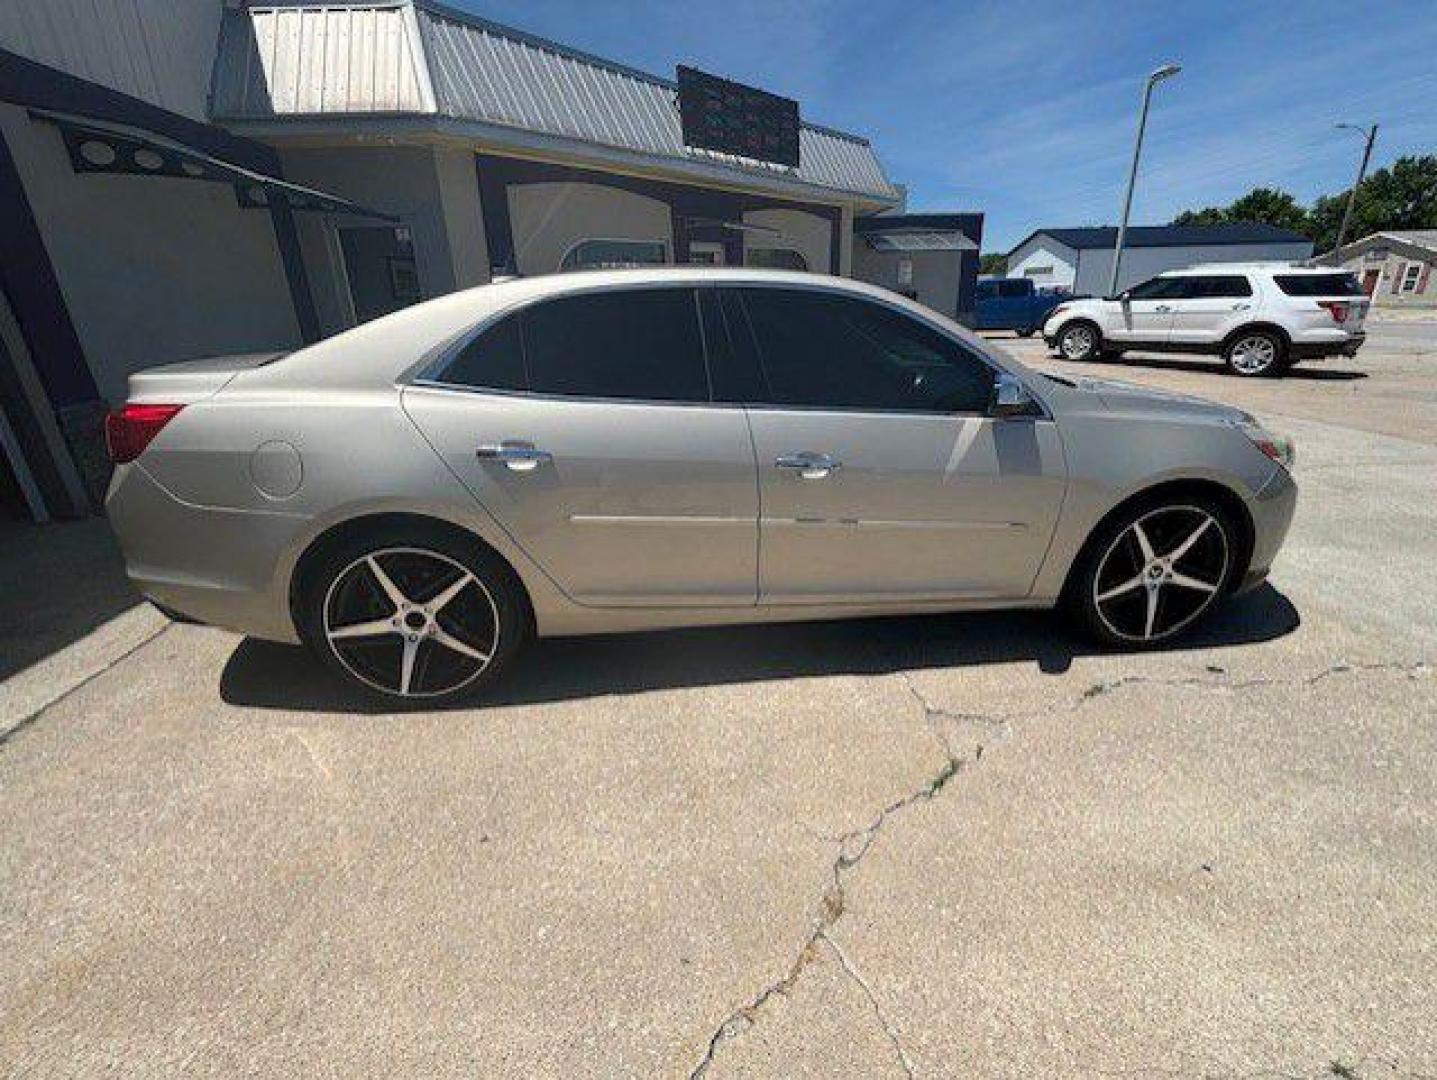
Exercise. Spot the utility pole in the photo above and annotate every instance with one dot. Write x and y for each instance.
(1371, 134)
(1167, 71)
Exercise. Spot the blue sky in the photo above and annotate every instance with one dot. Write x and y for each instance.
(1026, 111)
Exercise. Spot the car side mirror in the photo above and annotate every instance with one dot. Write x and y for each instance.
(1011, 400)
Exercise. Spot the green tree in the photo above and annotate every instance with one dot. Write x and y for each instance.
(993, 263)
(1268, 205)
(1210, 215)
(1401, 196)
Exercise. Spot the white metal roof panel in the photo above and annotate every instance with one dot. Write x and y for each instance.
(279, 60)
(296, 60)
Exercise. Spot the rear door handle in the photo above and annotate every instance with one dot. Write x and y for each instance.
(1241, 307)
(518, 456)
(810, 465)
(1162, 307)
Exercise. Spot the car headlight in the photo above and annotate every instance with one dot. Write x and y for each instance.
(1278, 447)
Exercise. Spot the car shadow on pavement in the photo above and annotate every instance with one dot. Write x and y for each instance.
(262, 674)
(1215, 367)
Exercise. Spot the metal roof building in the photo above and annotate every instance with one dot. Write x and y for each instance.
(1081, 259)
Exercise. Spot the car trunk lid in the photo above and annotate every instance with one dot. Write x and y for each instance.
(193, 380)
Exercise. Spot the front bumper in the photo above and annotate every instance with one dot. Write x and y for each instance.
(1272, 512)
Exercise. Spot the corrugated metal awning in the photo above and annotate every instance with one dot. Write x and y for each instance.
(926, 240)
(97, 146)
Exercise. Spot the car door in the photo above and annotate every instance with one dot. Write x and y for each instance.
(584, 425)
(881, 475)
(1208, 306)
(1142, 314)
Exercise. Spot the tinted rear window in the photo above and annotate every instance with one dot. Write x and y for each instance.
(494, 360)
(1319, 284)
(642, 344)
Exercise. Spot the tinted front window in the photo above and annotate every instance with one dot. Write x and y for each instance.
(825, 351)
(1010, 289)
(1319, 284)
(494, 360)
(641, 343)
(1158, 288)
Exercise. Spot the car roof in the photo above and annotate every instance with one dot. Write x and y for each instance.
(1251, 267)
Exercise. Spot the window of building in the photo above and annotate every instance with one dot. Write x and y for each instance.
(819, 350)
(1038, 271)
(613, 254)
(772, 258)
(1410, 277)
(640, 344)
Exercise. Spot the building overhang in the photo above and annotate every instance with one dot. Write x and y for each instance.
(333, 131)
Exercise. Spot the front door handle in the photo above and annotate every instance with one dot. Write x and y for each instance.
(810, 465)
(1241, 307)
(1162, 307)
(519, 456)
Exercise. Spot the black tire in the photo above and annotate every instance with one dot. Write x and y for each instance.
(1256, 354)
(1080, 340)
(1112, 561)
(416, 663)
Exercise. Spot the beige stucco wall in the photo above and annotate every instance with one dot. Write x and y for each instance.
(460, 205)
(550, 218)
(808, 234)
(153, 269)
(399, 180)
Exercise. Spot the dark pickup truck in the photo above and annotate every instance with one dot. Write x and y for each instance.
(1014, 304)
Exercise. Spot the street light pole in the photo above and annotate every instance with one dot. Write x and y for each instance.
(1164, 72)
(1371, 134)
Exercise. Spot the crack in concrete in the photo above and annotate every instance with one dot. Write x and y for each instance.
(857, 977)
(853, 846)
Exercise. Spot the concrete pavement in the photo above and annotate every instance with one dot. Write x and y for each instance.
(926, 847)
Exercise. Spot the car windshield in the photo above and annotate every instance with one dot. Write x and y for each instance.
(1319, 284)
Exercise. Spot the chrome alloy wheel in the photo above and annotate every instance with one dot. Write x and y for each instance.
(1161, 573)
(1077, 342)
(1253, 354)
(411, 622)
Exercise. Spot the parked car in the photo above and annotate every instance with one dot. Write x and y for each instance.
(1260, 317)
(1013, 304)
(616, 450)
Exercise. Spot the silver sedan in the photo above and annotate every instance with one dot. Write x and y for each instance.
(586, 453)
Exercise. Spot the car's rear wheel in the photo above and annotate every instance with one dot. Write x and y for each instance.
(1080, 341)
(1256, 353)
(413, 616)
(1153, 571)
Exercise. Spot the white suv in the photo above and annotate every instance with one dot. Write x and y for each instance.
(1260, 317)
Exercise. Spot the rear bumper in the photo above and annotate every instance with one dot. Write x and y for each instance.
(1316, 350)
(204, 564)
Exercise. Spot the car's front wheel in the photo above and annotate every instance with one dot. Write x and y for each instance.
(1080, 341)
(1153, 571)
(413, 615)
(1255, 353)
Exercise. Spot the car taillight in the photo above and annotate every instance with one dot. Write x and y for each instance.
(130, 429)
(1336, 308)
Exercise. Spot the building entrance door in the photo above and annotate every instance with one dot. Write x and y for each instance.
(380, 269)
(706, 253)
(1370, 280)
